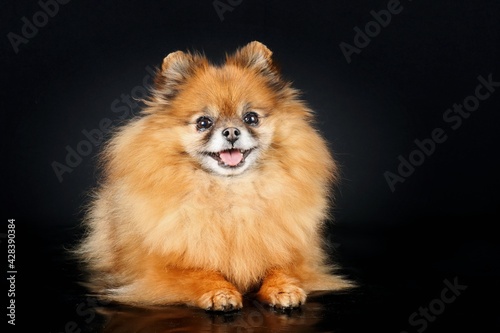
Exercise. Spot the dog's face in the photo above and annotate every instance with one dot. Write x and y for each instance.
(227, 114)
(228, 143)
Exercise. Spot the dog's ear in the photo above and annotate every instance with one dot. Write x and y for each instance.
(176, 68)
(254, 55)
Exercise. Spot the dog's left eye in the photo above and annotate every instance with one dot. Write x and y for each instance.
(203, 123)
(251, 118)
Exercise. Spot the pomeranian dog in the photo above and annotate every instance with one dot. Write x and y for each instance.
(222, 187)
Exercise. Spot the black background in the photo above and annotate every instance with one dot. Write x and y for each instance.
(436, 225)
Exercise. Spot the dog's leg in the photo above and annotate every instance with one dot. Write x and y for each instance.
(210, 291)
(281, 290)
(204, 289)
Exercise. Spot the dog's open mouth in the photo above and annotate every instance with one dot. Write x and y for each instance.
(231, 158)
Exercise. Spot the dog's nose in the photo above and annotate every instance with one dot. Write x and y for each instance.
(231, 134)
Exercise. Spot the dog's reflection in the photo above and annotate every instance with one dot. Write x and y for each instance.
(254, 317)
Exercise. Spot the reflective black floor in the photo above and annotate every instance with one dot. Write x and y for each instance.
(403, 288)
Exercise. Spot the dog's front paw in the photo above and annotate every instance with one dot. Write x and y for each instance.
(223, 299)
(283, 296)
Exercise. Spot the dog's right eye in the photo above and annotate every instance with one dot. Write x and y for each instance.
(203, 123)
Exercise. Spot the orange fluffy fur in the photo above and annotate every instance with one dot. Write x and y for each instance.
(162, 230)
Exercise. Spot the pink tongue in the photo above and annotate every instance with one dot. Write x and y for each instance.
(231, 157)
